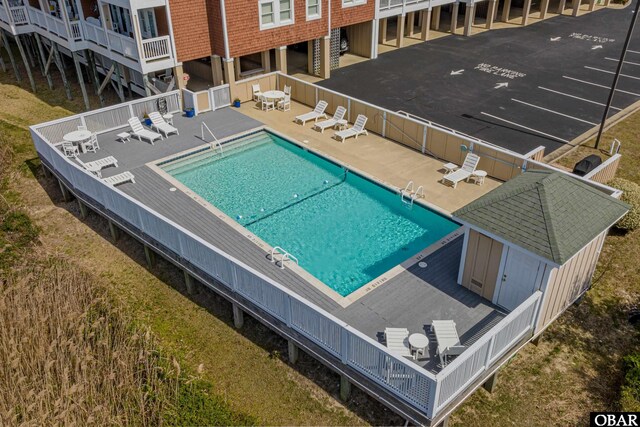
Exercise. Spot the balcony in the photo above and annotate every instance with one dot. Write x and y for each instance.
(18, 15)
(156, 48)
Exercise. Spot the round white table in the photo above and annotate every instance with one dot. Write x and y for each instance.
(419, 343)
(77, 137)
(273, 94)
(341, 124)
(478, 176)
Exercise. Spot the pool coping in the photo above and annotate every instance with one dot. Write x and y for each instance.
(343, 301)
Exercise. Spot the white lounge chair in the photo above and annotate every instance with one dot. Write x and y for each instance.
(158, 123)
(257, 93)
(398, 341)
(355, 130)
(141, 133)
(314, 115)
(96, 166)
(329, 123)
(468, 167)
(121, 178)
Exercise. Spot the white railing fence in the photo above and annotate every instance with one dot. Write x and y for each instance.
(122, 44)
(95, 34)
(19, 15)
(220, 96)
(190, 100)
(406, 380)
(456, 376)
(156, 48)
(76, 30)
(109, 118)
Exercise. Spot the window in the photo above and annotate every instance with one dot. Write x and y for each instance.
(349, 3)
(274, 13)
(313, 9)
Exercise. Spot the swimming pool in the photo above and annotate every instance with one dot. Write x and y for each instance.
(344, 229)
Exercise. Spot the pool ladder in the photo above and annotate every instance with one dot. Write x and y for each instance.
(284, 256)
(215, 141)
(408, 195)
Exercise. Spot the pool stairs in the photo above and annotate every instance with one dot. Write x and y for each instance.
(215, 141)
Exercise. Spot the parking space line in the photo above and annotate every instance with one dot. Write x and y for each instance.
(632, 51)
(611, 72)
(527, 128)
(554, 112)
(617, 60)
(576, 97)
(602, 86)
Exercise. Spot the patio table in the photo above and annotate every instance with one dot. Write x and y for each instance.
(273, 94)
(77, 137)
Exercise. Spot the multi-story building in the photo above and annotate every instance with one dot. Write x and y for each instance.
(144, 46)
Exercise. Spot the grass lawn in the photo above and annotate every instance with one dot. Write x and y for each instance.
(576, 369)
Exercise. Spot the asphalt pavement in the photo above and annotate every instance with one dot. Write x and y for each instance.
(522, 87)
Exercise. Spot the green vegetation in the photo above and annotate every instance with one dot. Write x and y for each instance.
(631, 195)
(630, 392)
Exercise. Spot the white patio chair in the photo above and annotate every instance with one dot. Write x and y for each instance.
(329, 123)
(91, 145)
(158, 123)
(355, 130)
(314, 115)
(81, 127)
(398, 341)
(257, 93)
(69, 149)
(287, 90)
(121, 178)
(468, 167)
(266, 104)
(141, 133)
(285, 104)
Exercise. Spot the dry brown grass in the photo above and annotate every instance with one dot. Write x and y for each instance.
(69, 357)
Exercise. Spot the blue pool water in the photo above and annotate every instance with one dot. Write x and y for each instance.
(344, 229)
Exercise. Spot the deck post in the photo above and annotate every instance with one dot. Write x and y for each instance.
(43, 60)
(435, 18)
(536, 340)
(491, 382)
(120, 91)
(506, 9)
(325, 59)
(281, 59)
(238, 316)
(544, 8)
(293, 352)
(113, 229)
(83, 209)
(409, 26)
(58, 61)
(345, 388)
(94, 74)
(400, 31)
(216, 70)
(561, 6)
(7, 46)
(382, 35)
(66, 196)
(491, 14)
(575, 7)
(454, 18)
(526, 9)
(425, 25)
(150, 256)
(188, 280)
(27, 65)
(469, 17)
(83, 88)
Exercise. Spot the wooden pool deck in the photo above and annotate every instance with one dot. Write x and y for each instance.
(411, 299)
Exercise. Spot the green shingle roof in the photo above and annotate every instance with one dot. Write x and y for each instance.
(548, 213)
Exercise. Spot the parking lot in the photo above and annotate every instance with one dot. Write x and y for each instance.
(544, 84)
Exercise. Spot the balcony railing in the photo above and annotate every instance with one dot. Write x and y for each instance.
(156, 48)
(76, 31)
(122, 44)
(95, 34)
(48, 22)
(3, 15)
(19, 15)
(386, 5)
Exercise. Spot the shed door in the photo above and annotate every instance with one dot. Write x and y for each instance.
(482, 264)
(521, 277)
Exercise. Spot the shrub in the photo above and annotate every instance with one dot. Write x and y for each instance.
(631, 195)
(630, 392)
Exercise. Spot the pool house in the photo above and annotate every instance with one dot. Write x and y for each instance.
(437, 287)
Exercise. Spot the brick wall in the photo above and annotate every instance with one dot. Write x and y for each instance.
(341, 17)
(190, 19)
(215, 22)
(245, 36)
(86, 5)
